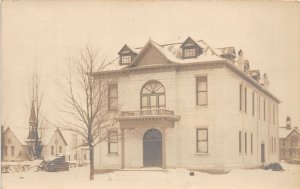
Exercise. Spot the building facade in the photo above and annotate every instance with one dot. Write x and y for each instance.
(187, 105)
(289, 142)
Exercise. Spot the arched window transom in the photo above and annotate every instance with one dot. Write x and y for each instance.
(153, 95)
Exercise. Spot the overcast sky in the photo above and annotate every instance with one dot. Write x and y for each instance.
(45, 33)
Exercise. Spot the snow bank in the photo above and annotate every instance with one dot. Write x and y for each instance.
(172, 178)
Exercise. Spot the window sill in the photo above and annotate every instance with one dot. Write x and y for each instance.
(202, 106)
(199, 153)
(115, 154)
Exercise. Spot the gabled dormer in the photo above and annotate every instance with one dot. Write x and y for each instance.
(190, 49)
(126, 55)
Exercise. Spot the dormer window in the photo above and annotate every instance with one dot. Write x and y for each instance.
(190, 48)
(126, 55)
(125, 59)
(189, 53)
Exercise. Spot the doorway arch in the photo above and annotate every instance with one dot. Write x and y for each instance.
(152, 148)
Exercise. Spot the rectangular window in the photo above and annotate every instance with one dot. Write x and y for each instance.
(162, 100)
(272, 145)
(274, 114)
(5, 150)
(258, 107)
(251, 143)
(113, 96)
(75, 156)
(201, 88)
(60, 149)
(241, 98)
(264, 109)
(52, 150)
(12, 150)
(240, 141)
(113, 142)
(275, 145)
(126, 59)
(189, 53)
(245, 99)
(202, 140)
(246, 142)
(144, 102)
(153, 101)
(253, 104)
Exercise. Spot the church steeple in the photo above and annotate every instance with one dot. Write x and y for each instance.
(32, 135)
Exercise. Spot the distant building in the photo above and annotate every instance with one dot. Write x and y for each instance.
(78, 150)
(187, 105)
(289, 141)
(18, 147)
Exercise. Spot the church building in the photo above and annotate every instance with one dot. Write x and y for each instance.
(20, 144)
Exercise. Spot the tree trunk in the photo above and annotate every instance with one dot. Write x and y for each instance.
(92, 163)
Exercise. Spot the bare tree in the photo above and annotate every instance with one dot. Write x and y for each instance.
(85, 101)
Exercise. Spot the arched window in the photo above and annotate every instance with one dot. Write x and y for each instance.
(153, 95)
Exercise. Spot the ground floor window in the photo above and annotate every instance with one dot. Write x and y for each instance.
(52, 150)
(12, 150)
(251, 143)
(113, 142)
(5, 150)
(240, 141)
(246, 142)
(202, 140)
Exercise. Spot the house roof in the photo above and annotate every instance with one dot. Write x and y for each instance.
(173, 54)
(18, 132)
(49, 133)
(22, 132)
(284, 132)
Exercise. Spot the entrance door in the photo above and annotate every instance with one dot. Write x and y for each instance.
(262, 153)
(152, 148)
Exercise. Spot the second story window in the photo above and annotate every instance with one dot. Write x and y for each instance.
(113, 97)
(189, 53)
(125, 59)
(153, 95)
(201, 91)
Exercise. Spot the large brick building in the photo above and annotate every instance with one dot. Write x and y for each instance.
(187, 105)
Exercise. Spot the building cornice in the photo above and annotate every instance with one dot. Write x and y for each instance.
(183, 67)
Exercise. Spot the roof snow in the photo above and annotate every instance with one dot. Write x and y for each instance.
(22, 132)
(284, 132)
(173, 52)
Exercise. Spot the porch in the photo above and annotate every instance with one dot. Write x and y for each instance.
(155, 122)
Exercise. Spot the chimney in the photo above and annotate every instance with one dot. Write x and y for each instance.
(265, 81)
(241, 60)
(288, 122)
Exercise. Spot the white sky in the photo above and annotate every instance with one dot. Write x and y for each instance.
(45, 33)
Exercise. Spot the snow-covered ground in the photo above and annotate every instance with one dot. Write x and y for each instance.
(77, 178)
